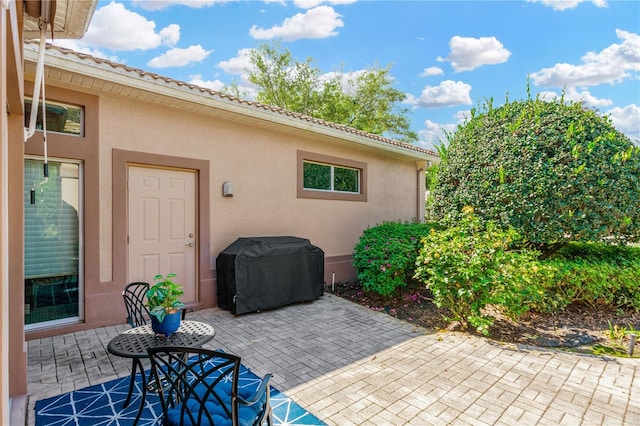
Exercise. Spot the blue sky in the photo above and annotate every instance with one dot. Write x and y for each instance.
(448, 56)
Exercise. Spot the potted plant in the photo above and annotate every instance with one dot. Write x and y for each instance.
(163, 301)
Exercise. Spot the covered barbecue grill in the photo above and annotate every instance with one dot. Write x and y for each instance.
(261, 273)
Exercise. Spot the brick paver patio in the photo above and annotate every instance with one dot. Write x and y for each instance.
(351, 366)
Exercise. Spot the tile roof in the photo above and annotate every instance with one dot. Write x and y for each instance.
(225, 96)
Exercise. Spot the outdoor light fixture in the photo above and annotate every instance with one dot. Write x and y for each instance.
(227, 189)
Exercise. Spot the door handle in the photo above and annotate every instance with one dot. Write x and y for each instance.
(190, 244)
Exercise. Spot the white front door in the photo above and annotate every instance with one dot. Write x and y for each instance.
(162, 226)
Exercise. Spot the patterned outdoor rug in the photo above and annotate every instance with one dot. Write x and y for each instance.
(102, 405)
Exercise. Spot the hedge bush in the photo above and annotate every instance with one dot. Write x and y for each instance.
(555, 172)
(594, 274)
(470, 266)
(386, 254)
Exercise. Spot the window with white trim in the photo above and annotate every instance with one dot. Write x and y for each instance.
(53, 255)
(331, 178)
(61, 118)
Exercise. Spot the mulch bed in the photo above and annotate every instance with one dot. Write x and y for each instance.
(578, 327)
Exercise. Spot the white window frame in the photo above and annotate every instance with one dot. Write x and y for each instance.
(332, 168)
(60, 104)
(80, 316)
(333, 162)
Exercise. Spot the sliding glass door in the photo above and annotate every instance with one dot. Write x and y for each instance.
(52, 243)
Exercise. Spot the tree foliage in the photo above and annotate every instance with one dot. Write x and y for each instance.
(282, 80)
(555, 172)
(366, 102)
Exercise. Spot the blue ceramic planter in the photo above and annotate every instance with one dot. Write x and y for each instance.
(168, 326)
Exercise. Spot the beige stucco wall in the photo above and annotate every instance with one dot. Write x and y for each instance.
(261, 163)
(13, 352)
(260, 157)
(4, 229)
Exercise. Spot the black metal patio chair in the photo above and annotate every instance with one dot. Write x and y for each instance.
(200, 387)
(134, 295)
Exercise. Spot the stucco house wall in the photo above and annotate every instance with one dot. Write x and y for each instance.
(261, 164)
(13, 354)
(136, 118)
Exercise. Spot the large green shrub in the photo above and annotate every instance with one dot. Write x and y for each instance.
(593, 274)
(386, 254)
(470, 265)
(554, 172)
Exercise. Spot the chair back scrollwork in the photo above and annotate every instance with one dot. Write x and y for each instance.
(134, 295)
(200, 387)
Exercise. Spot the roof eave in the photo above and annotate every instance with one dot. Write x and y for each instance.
(71, 20)
(192, 94)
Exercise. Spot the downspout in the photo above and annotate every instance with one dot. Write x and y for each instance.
(420, 184)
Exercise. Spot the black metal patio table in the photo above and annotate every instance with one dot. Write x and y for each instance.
(135, 342)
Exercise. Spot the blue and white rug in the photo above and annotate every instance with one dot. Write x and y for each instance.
(101, 405)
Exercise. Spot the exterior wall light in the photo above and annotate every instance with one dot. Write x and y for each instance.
(227, 189)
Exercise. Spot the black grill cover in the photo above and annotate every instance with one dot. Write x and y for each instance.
(268, 272)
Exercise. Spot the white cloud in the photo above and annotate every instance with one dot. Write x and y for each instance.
(308, 4)
(469, 53)
(463, 115)
(627, 120)
(574, 95)
(547, 95)
(584, 96)
(246, 89)
(434, 134)
(612, 65)
(117, 28)
(319, 22)
(178, 57)
(428, 72)
(568, 4)
(78, 46)
(213, 85)
(238, 64)
(170, 35)
(347, 79)
(447, 93)
(163, 4)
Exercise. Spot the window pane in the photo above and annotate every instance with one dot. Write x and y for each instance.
(61, 118)
(345, 180)
(317, 176)
(51, 241)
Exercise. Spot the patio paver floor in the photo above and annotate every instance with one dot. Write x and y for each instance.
(352, 366)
